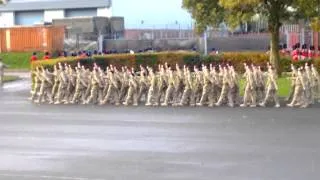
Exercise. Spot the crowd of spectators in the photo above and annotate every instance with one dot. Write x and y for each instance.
(299, 52)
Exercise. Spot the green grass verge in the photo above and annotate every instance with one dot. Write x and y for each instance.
(18, 60)
(10, 78)
(284, 85)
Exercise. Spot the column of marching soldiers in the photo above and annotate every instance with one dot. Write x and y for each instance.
(208, 86)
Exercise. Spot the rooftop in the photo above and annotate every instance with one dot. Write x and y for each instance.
(53, 4)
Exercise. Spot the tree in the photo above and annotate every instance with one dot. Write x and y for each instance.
(234, 12)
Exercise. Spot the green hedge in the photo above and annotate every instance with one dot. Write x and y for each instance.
(182, 58)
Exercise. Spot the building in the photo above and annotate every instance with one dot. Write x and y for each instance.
(32, 12)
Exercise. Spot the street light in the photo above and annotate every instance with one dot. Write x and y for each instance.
(177, 23)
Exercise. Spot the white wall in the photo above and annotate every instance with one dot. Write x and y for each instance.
(104, 12)
(6, 19)
(53, 14)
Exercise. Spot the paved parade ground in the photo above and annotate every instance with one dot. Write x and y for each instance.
(103, 143)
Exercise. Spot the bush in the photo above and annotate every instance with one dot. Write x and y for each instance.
(180, 57)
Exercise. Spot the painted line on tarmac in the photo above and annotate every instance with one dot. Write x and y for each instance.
(47, 177)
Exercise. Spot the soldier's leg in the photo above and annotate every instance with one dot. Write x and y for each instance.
(276, 98)
(116, 96)
(296, 96)
(204, 95)
(253, 95)
(135, 97)
(167, 96)
(59, 94)
(128, 97)
(92, 94)
(246, 96)
(222, 96)
(54, 90)
(107, 96)
(150, 96)
(41, 94)
(231, 96)
(193, 97)
(185, 96)
(267, 96)
(291, 93)
(35, 91)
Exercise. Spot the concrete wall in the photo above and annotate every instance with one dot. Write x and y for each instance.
(7, 19)
(49, 15)
(104, 12)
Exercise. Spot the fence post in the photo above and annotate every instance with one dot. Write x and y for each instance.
(205, 42)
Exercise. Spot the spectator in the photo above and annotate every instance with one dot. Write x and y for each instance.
(311, 52)
(34, 56)
(295, 53)
(46, 56)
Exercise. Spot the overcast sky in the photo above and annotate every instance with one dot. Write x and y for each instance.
(157, 13)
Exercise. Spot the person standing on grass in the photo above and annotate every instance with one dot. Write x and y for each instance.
(2, 67)
(46, 56)
(34, 56)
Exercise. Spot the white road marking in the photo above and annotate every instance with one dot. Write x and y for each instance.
(47, 177)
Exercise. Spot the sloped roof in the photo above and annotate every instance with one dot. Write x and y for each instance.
(54, 4)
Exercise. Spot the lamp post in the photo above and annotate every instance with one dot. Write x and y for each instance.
(179, 35)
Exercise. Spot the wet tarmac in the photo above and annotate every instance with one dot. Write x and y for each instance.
(103, 143)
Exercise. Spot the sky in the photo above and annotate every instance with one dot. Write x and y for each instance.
(154, 13)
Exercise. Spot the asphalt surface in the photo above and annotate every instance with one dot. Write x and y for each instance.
(103, 143)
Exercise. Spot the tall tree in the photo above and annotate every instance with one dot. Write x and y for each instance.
(234, 12)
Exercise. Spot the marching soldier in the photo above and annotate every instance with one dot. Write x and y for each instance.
(250, 87)
(37, 82)
(143, 85)
(63, 83)
(315, 84)
(95, 85)
(187, 91)
(272, 89)
(170, 89)
(46, 86)
(132, 95)
(298, 96)
(294, 75)
(2, 67)
(206, 86)
(80, 87)
(152, 87)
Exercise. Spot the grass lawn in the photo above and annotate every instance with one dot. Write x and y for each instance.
(17, 60)
(10, 78)
(284, 85)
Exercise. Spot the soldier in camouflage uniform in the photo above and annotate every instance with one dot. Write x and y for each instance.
(80, 87)
(187, 91)
(294, 75)
(95, 85)
(152, 87)
(143, 85)
(272, 88)
(63, 83)
(315, 84)
(37, 82)
(132, 95)
(170, 89)
(45, 87)
(206, 88)
(250, 87)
